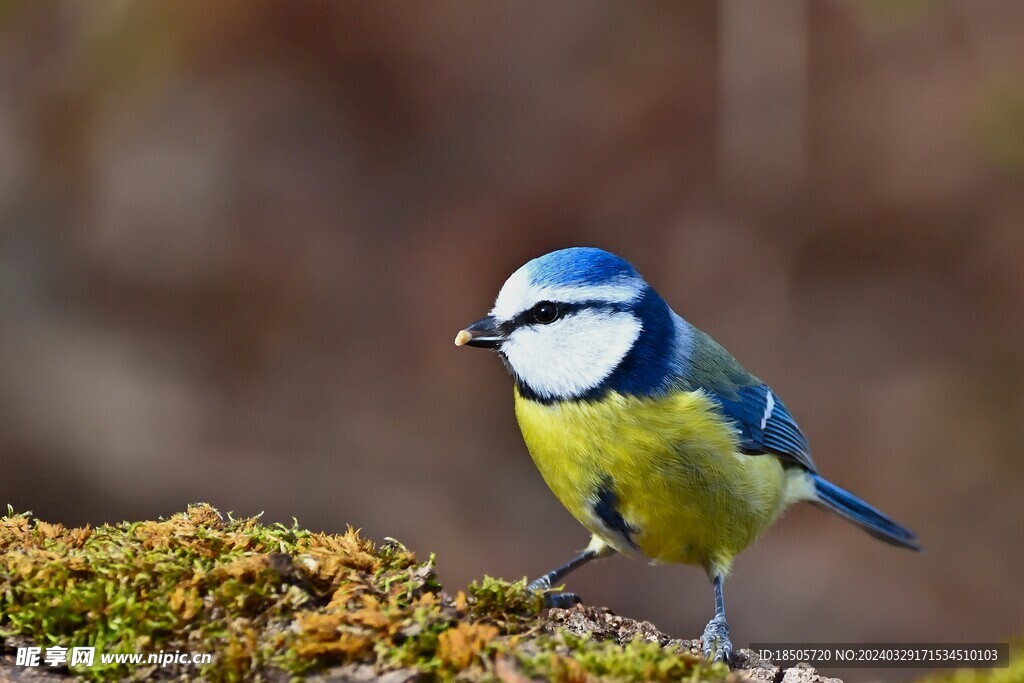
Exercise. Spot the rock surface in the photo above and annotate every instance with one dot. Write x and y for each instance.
(603, 624)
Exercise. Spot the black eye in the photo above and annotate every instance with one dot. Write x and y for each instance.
(546, 312)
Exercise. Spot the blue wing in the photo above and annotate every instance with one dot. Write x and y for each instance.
(765, 424)
(762, 420)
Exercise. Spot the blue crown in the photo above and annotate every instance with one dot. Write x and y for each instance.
(580, 266)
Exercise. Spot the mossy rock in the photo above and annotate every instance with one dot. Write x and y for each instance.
(272, 602)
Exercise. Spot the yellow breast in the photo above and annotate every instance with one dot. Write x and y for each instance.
(670, 467)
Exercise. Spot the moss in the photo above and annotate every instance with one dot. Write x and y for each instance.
(272, 599)
(565, 657)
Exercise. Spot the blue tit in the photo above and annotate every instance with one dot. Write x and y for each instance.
(651, 434)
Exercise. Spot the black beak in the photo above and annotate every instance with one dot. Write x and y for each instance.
(483, 333)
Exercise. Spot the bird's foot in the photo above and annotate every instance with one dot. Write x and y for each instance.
(559, 600)
(715, 642)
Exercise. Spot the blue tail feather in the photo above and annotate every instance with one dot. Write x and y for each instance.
(876, 523)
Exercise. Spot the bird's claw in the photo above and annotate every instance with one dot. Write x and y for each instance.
(561, 600)
(715, 642)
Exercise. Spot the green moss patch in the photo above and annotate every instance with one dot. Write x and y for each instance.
(267, 600)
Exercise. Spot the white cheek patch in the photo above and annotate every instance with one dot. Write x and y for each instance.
(519, 294)
(573, 355)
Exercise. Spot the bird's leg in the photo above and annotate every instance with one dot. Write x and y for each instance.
(715, 642)
(555, 575)
(596, 549)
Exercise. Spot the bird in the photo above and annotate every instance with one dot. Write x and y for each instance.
(649, 432)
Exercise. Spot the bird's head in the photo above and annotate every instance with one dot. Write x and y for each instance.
(575, 322)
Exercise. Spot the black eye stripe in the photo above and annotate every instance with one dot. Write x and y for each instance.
(566, 309)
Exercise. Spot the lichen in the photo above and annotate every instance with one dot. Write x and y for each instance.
(267, 600)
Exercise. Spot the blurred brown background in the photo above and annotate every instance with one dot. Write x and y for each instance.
(238, 237)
